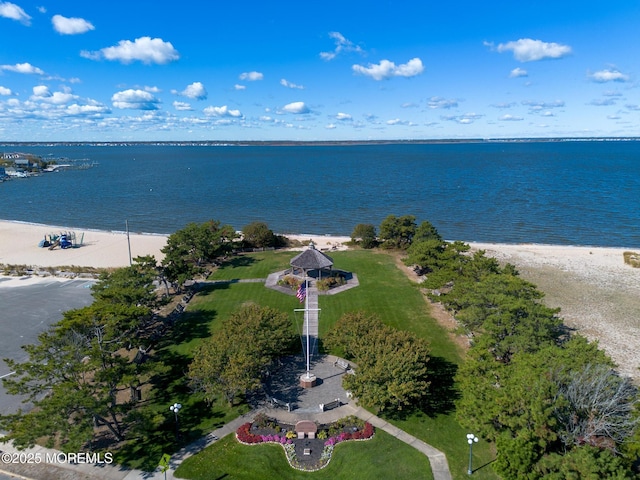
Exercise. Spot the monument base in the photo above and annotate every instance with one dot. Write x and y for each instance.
(308, 380)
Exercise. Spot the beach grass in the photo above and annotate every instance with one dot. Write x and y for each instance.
(383, 290)
(632, 258)
(381, 457)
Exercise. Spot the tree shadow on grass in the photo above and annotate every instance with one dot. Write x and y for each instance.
(442, 390)
(188, 326)
(156, 431)
(239, 261)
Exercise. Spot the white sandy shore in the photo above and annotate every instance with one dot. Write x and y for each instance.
(599, 295)
(100, 249)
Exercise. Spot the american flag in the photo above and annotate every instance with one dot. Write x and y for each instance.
(302, 292)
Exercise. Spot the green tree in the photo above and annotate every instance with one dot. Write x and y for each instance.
(584, 463)
(392, 369)
(232, 362)
(398, 232)
(426, 231)
(365, 235)
(79, 366)
(258, 235)
(188, 250)
(73, 377)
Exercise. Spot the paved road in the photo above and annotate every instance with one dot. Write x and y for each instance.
(26, 312)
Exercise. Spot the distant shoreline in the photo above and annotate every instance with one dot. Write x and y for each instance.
(281, 143)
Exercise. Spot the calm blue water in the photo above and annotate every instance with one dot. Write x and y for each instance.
(572, 193)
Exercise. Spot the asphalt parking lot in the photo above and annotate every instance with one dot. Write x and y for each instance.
(25, 312)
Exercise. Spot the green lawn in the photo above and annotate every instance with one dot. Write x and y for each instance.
(383, 290)
(381, 457)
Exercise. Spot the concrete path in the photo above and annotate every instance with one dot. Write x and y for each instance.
(311, 317)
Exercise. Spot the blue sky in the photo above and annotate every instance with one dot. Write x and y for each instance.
(331, 70)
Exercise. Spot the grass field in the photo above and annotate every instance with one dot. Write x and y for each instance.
(385, 291)
(381, 457)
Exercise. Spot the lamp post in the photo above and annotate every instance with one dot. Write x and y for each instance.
(471, 439)
(175, 408)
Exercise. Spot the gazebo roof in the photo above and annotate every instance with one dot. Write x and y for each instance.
(311, 259)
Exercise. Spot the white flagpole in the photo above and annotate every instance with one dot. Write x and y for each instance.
(306, 314)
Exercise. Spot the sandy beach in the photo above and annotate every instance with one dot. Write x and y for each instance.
(598, 293)
(100, 249)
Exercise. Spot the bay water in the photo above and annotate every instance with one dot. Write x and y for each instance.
(548, 192)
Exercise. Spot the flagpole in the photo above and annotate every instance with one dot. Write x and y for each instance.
(306, 314)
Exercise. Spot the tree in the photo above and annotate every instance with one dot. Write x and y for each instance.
(258, 235)
(426, 231)
(188, 250)
(585, 463)
(597, 407)
(73, 377)
(392, 369)
(232, 362)
(80, 364)
(365, 235)
(398, 232)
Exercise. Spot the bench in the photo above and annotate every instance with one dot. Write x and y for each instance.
(331, 405)
(341, 364)
(279, 403)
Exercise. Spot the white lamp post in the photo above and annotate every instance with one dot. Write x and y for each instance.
(471, 439)
(175, 408)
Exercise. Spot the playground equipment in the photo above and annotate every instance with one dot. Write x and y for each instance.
(63, 240)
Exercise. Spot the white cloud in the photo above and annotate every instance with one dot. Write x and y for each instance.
(25, 68)
(296, 107)
(14, 12)
(387, 69)
(529, 50)
(135, 100)
(343, 116)
(537, 106)
(81, 110)
(330, 126)
(518, 72)
(251, 76)
(439, 102)
(465, 119)
(5, 91)
(239, 87)
(503, 105)
(151, 89)
(510, 118)
(196, 91)
(341, 45)
(182, 106)
(70, 26)
(286, 83)
(222, 111)
(144, 49)
(603, 102)
(603, 76)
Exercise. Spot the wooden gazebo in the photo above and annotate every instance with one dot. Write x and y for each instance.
(310, 260)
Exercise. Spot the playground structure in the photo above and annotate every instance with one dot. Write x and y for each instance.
(63, 240)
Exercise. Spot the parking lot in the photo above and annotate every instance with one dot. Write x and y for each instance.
(26, 311)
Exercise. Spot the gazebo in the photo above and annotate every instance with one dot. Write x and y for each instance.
(310, 260)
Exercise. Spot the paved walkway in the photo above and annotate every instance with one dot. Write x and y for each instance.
(305, 406)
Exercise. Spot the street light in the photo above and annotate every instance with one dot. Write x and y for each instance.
(175, 408)
(471, 439)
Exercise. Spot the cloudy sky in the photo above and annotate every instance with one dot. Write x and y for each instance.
(337, 70)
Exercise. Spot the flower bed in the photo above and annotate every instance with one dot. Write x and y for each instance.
(246, 437)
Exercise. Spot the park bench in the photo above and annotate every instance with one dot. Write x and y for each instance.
(341, 364)
(331, 405)
(279, 403)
